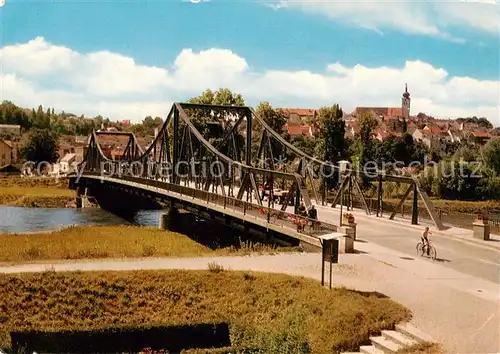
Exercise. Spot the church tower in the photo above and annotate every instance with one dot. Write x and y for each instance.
(406, 103)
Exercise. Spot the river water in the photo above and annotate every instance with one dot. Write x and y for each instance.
(18, 219)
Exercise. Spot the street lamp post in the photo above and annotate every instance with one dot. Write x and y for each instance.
(341, 198)
(342, 170)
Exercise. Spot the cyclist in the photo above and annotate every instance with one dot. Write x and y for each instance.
(425, 240)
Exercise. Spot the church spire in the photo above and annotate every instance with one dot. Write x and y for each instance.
(405, 107)
(406, 94)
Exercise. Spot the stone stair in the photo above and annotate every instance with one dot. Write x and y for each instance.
(391, 341)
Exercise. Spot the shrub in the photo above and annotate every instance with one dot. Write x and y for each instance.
(215, 267)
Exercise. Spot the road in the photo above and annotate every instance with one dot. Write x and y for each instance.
(465, 257)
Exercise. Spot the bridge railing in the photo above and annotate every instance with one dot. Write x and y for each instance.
(268, 215)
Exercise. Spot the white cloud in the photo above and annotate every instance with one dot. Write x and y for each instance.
(113, 85)
(431, 18)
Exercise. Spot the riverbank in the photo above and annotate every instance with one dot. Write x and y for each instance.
(37, 197)
(272, 312)
(98, 242)
(43, 192)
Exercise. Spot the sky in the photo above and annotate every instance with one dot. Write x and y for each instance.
(131, 59)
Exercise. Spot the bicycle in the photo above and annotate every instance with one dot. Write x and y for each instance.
(421, 249)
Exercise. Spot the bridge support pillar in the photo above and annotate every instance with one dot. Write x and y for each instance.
(83, 198)
(80, 195)
(168, 220)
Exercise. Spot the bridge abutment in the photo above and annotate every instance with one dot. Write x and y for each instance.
(169, 220)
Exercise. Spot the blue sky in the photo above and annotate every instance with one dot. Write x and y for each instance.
(306, 36)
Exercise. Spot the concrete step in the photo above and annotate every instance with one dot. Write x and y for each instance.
(399, 338)
(385, 345)
(369, 349)
(414, 333)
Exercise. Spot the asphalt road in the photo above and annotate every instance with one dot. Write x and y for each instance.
(462, 256)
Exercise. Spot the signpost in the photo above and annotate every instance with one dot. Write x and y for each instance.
(330, 253)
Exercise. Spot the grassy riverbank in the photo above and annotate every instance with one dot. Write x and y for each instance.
(267, 311)
(35, 192)
(91, 242)
(36, 197)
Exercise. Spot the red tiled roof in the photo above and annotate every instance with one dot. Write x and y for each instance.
(434, 129)
(381, 111)
(296, 129)
(394, 112)
(117, 140)
(305, 129)
(300, 111)
(481, 134)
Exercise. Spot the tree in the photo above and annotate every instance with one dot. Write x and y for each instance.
(405, 126)
(275, 118)
(200, 116)
(332, 133)
(363, 145)
(331, 145)
(222, 96)
(466, 152)
(41, 146)
(484, 122)
(491, 155)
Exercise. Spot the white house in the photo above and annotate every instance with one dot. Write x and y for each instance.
(66, 163)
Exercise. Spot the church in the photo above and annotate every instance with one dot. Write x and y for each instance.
(387, 113)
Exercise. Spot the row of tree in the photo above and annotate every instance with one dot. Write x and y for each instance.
(330, 144)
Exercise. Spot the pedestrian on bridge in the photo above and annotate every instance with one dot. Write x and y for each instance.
(313, 217)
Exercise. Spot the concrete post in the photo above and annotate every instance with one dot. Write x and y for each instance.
(353, 226)
(347, 242)
(481, 229)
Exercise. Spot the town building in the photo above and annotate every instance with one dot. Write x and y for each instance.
(384, 114)
(479, 137)
(300, 115)
(10, 129)
(295, 130)
(66, 164)
(6, 153)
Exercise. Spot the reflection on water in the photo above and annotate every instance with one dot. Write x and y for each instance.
(17, 219)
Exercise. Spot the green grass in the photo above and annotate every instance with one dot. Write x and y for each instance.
(279, 313)
(39, 196)
(92, 242)
(34, 182)
(35, 191)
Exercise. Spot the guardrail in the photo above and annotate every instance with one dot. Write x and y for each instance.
(271, 216)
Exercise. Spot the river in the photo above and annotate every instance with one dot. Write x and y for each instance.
(18, 219)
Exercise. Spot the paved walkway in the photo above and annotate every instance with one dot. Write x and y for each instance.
(458, 310)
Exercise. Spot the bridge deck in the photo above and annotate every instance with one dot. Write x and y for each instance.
(268, 218)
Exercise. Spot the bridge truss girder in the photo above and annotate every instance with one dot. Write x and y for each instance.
(183, 150)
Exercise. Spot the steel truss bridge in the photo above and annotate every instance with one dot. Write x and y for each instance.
(222, 161)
